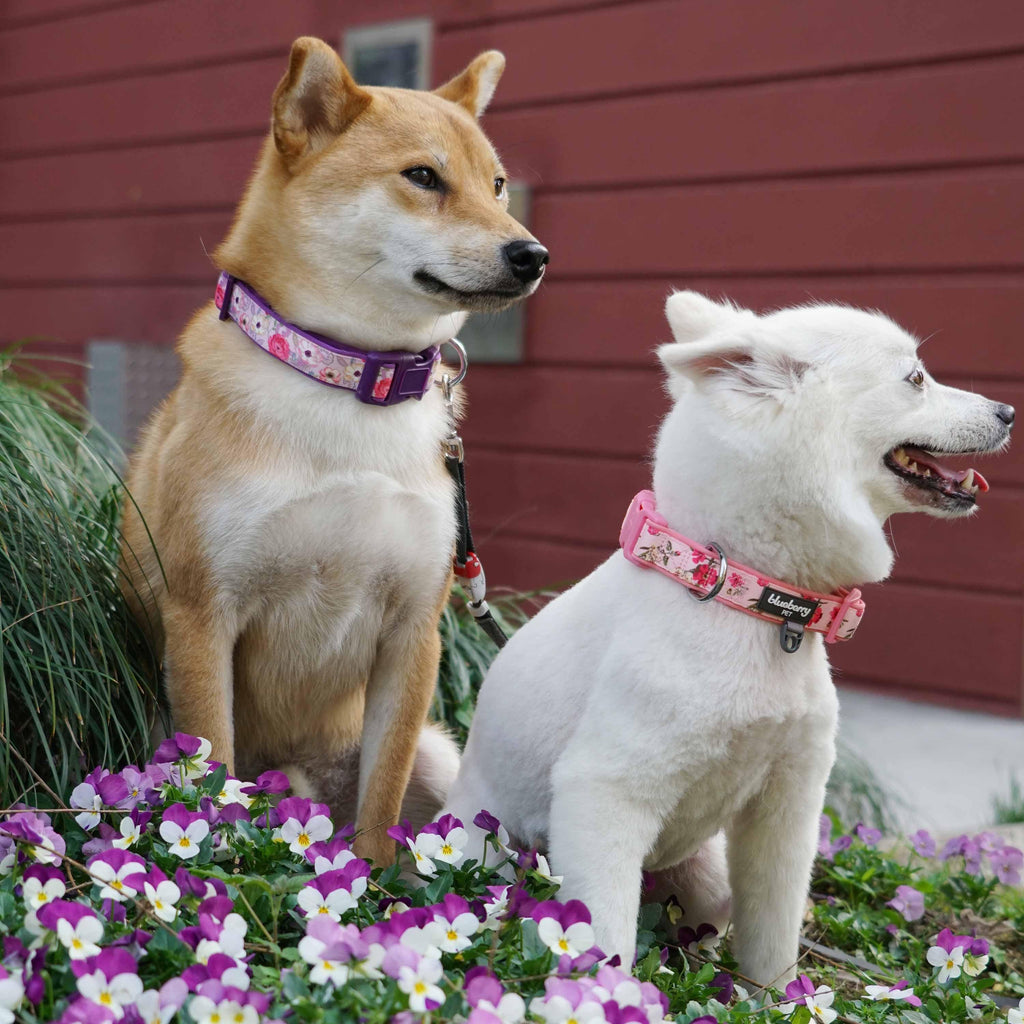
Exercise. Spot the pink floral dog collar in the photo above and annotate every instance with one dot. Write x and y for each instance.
(378, 378)
(647, 541)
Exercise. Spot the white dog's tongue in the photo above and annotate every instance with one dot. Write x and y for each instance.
(967, 478)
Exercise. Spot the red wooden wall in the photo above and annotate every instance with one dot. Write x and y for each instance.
(770, 151)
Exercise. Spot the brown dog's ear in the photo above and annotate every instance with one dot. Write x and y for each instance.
(315, 101)
(475, 86)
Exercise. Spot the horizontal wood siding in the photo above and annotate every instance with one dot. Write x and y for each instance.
(771, 152)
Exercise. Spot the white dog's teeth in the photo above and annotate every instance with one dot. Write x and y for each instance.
(968, 482)
(927, 471)
(912, 466)
(901, 456)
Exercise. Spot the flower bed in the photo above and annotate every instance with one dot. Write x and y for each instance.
(176, 893)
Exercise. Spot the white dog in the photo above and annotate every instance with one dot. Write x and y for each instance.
(629, 727)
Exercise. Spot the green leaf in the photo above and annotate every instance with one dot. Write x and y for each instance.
(294, 987)
(650, 915)
(915, 1017)
(438, 888)
(650, 963)
(706, 973)
(956, 1008)
(801, 1015)
(214, 783)
(166, 942)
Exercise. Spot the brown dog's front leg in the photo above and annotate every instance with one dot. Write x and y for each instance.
(397, 699)
(197, 657)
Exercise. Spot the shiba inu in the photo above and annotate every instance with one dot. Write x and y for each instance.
(628, 727)
(305, 536)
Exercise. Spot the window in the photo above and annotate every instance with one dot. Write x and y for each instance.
(396, 53)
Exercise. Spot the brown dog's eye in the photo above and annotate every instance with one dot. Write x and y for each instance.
(917, 378)
(422, 177)
(499, 187)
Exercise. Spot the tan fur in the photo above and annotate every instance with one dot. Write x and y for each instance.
(305, 539)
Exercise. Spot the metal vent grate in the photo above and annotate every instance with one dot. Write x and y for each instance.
(126, 382)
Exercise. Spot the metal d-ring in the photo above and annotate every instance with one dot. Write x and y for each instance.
(723, 568)
(446, 382)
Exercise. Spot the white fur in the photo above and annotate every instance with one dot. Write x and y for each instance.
(627, 726)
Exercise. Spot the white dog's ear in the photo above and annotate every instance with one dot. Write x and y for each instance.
(692, 315)
(731, 363)
(474, 87)
(715, 347)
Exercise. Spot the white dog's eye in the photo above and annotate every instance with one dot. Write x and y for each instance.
(917, 378)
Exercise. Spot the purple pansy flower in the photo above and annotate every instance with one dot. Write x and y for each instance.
(335, 892)
(303, 823)
(183, 831)
(487, 821)
(1007, 862)
(725, 985)
(42, 842)
(923, 843)
(564, 928)
(111, 980)
(703, 939)
(330, 856)
(900, 992)
(826, 847)
(99, 789)
(110, 869)
(267, 783)
(909, 902)
(220, 967)
(176, 748)
(868, 836)
(967, 848)
(817, 1000)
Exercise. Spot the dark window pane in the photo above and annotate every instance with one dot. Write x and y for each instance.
(394, 64)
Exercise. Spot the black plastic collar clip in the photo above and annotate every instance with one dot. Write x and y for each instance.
(791, 635)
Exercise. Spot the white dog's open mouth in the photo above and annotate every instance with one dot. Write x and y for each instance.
(939, 484)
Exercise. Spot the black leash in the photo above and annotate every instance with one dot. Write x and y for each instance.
(467, 565)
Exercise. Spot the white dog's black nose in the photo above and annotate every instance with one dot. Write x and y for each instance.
(1005, 413)
(526, 259)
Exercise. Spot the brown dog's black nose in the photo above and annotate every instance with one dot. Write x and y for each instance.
(1006, 414)
(526, 260)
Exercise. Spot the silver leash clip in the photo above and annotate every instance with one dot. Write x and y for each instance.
(451, 445)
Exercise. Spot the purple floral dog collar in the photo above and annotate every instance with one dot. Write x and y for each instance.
(377, 378)
(647, 541)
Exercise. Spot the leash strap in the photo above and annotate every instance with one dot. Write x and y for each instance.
(467, 566)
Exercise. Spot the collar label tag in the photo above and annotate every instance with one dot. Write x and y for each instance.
(787, 606)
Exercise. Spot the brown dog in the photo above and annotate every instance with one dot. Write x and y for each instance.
(305, 536)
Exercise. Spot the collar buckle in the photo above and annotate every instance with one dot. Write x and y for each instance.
(412, 373)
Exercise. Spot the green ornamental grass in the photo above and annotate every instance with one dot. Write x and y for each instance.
(77, 678)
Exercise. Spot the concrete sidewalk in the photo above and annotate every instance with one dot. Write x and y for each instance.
(944, 767)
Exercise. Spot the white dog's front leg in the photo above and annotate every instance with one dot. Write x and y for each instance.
(771, 849)
(600, 834)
